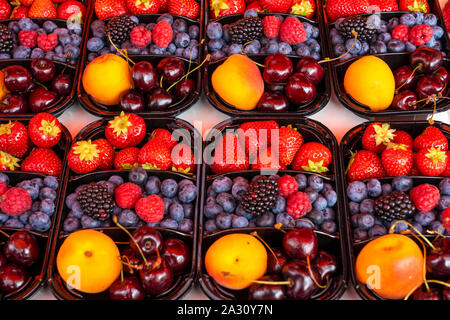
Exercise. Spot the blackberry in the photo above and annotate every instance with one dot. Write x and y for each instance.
(119, 29)
(96, 201)
(260, 196)
(394, 206)
(246, 29)
(6, 39)
(364, 30)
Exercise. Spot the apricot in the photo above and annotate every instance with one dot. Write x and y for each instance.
(391, 265)
(3, 90)
(235, 260)
(239, 82)
(106, 77)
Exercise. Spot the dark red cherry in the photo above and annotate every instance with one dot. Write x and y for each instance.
(41, 99)
(62, 84)
(43, 69)
(404, 78)
(311, 69)
(128, 288)
(427, 59)
(177, 254)
(275, 265)
(405, 100)
(132, 101)
(144, 76)
(427, 86)
(171, 69)
(273, 102)
(299, 89)
(184, 88)
(17, 78)
(258, 291)
(149, 240)
(156, 280)
(22, 248)
(300, 244)
(12, 278)
(278, 68)
(159, 100)
(14, 103)
(302, 286)
(443, 75)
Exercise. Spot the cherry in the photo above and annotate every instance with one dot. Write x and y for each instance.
(41, 98)
(12, 278)
(426, 59)
(132, 101)
(144, 76)
(171, 69)
(274, 87)
(259, 291)
(177, 254)
(62, 84)
(405, 100)
(128, 288)
(17, 78)
(433, 294)
(273, 102)
(132, 258)
(22, 248)
(302, 286)
(438, 261)
(404, 78)
(156, 280)
(301, 244)
(325, 265)
(274, 266)
(159, 100)
(184, 88)
(299, 89)
(311, 69)
(148, 239)
(43, 69)
(3, 261)
(427, 86)
(13, 103)
(443, 75)
(278, 68)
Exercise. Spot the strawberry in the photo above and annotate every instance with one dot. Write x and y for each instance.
(183, 159)
(14, 138)
(363, 165)
(28, 3)
(5, 10)
(106, 154)
(431, 137)
(342, 8)
(267, 160)
(446, 172)
(290, 140)
(83, 157)
(403, 137)
(164, 6)
(8, 162)
(43, 160)
(306, 8)
(312, 156)
(143, 6)
(44, 130)
(155, 155)
(220, 8)
(255, 136)
(110, 8)
(397, 159)
(71, 9)
(166, 136)
(19, 12)
(276, 6)
(414, 5)
(255, 5)
(126, 158)
(414, 171)
(445, 217)
(384, 5)
(377, 136)
(228, 155)
(186, 8)
(431, 162)
(44, 9)
(125, 130)
(446, 14)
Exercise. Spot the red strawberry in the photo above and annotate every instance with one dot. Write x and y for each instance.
(403, 137)
(377, 136)
(155, 155)
(363, 165)
(446, 172)
(431, 137)
(276, 6)
(255, 135)
(384, 5)
(43, 160)
(290, 140)
(14, 138)
(414, 171)
(306, 8)
(186, 8)
(183, 159)
(342, 8)
(165, 135)
(446, 219)
(110, 8)
(126, 158)
(397, 159)
(44, 130)
(431, 162)
(143, 6)
(312, 156)
(414, 5)
(106, 154)
(19, 12)
(267, 160)
(255, 5)
(446, 13)
(44, 9)
(5, 10)
(125, 130)
(164, 6)
(8, 162)
(220, 8)
(28, 3)
(229, 155)
(83, 157)
(71, 9)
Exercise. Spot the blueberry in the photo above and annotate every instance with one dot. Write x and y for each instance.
(128, 218)
(444, 202)
(436, 225)
(14, 27)
(334, 31)
(21, 52)
(265, 220)
(35, 206)
(91, 56)
(165, 17)
(95, 44)
(313, 45)
(33, 191)
(366, 221)
(71, 224)
(438, 46)
(4, 56)
(176, 212)
(210, 199)
(374, 21)
(188, 209)
(320, 203)
(431, 43)
(51, 182)
(15, 223)
(419, 16)
(285, 219)
(355, 48)
(182, 40)
(385, 37)
(359, 234)
(241, 211)
(169, 188)
(402, 183)
(186, 225)
(424, 218)
(171, 48)
(211, 210)
(39, 221)
(187, 193)
(255, 48)
(210, 192)
(76, 208)
(438, 32)
(190, 53)
(316, 56)
(315, 182)
(3, 218)
(154, 49)
(24, 216)
(316, 216)
(222, 184)
(377, 230)
(339, 49)
(152, 185)
(284, 48)
(74, 28)
(234, 48)
(179, 25)
(4, 178)
(194, 32)
(238, 221)
(328, 226)
(210, 225)
(417, 226)
(216, 55)
(226, 33)
(392, 23)
(315, 32)
(374, 188)
(331, 197)
(150, 26)
(302, 181)
(408, 19)
(430, 19)
(379, 47)
(37, 53)
(304, 223)
(367, 205)
(65, 39)
(47, 207)
(400, 226)
(357, 191)
(118, 180)
(250, 13)
(47, 193)
(88, 222)
(444, 187)
(184, 182)
(215, 45)
(329, 214)
(223, 221)
(226, 201)
(168, 223)
(167, 203)
(386, 188)
(312, 194)
(26, 24)
(99, 32)
(303, 51)
(354, 220)
(138, 176)
(396, 46)
(280, 205)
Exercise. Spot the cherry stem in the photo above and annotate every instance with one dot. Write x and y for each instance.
(355, 34)
(308, 263)
(4, 233)
(161, 81)
(409, 78)
(40, 84)
(445, 284)
(256, 235)
(306, 220)
(131, 266)
(208, 56)
(121, 51)
(437, 233)
(121, 273)
(190, 56)
(274, 283)
(278, 227)
(391, 230)
(245, 54)
(132, 238)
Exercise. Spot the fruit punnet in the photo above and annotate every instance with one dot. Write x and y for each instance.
(238, 81)
(370, 81)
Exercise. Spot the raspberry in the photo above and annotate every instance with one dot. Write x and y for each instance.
(420, 34)
(401, 32)
(15, 201)
(271, 25)
(292, 31)
(3, 188)
(287, 185)
(150, 209)
(162, 34)
(127, 195)
(28, 38)
(140, 36)
(298, 205)
(47, 42)
(425, 197)
(446, 219)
